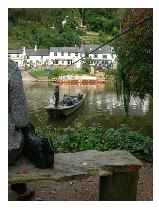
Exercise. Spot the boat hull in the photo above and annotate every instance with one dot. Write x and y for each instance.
(64, 111)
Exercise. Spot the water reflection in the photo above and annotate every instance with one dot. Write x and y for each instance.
(101, 102)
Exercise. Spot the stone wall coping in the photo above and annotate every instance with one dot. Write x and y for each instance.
(69, 166)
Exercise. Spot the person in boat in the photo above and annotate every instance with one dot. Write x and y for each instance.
(56, 95)
(80, 96)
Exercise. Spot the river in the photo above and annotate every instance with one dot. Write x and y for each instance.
(101, 108)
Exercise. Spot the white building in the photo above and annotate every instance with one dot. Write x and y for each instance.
(16, 55)
(64, 56)
(37, 57)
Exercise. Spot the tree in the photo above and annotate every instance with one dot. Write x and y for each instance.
(86, 63)
(134, 51)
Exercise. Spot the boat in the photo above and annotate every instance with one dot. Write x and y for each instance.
(66, 108)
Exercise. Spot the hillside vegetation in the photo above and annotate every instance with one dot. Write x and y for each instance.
(61, 27)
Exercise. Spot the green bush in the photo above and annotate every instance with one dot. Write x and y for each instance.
(78, 139)
(132, 141)
(56, 72)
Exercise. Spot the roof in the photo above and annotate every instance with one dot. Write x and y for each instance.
(38, 52)
(89, 48)
(14, 51)
(82, 49)
(65, 49)
(45, 52)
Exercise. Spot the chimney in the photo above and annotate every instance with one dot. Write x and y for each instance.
(24, 52)
(35, 48)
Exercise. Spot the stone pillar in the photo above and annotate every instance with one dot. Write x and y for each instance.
(120, 186)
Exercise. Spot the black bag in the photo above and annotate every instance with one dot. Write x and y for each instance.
(37, 149)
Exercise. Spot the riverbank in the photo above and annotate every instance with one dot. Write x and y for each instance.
(83, 79)
(27, 77)
(62, 76)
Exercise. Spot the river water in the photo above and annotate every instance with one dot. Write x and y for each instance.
(101, 108)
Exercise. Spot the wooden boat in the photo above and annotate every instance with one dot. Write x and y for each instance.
(63, 109)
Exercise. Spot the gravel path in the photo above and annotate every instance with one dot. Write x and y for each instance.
(87, 189)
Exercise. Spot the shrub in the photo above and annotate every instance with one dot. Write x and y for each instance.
(56, 72)
(132, 141)
(79, 139)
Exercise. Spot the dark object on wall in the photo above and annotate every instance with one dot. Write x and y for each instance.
(37, 149)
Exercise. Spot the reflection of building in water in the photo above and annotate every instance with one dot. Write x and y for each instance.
(145, 105)
(138, 104)
(110, 103)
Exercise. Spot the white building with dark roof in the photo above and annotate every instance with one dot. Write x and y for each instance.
(37, 57)
(16, 55)
(64, 56)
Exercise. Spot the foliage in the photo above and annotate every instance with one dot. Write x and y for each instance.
(56, 72)
(44, 27)
(101, 20)
(40, 72)
(135, 59)
(86, 63)
(79, 139)
(132, 141)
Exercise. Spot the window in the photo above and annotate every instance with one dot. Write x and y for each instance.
(55, 53)
(95, 56)
(105, 56)
(9, 56)
(62, 61)
(62, 53)
(69, 54)
(76, 54)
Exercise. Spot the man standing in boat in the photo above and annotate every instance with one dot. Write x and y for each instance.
(56, 94)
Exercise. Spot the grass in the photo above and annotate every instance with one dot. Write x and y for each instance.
(90, 38)
(56, 72)
(39, 73)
